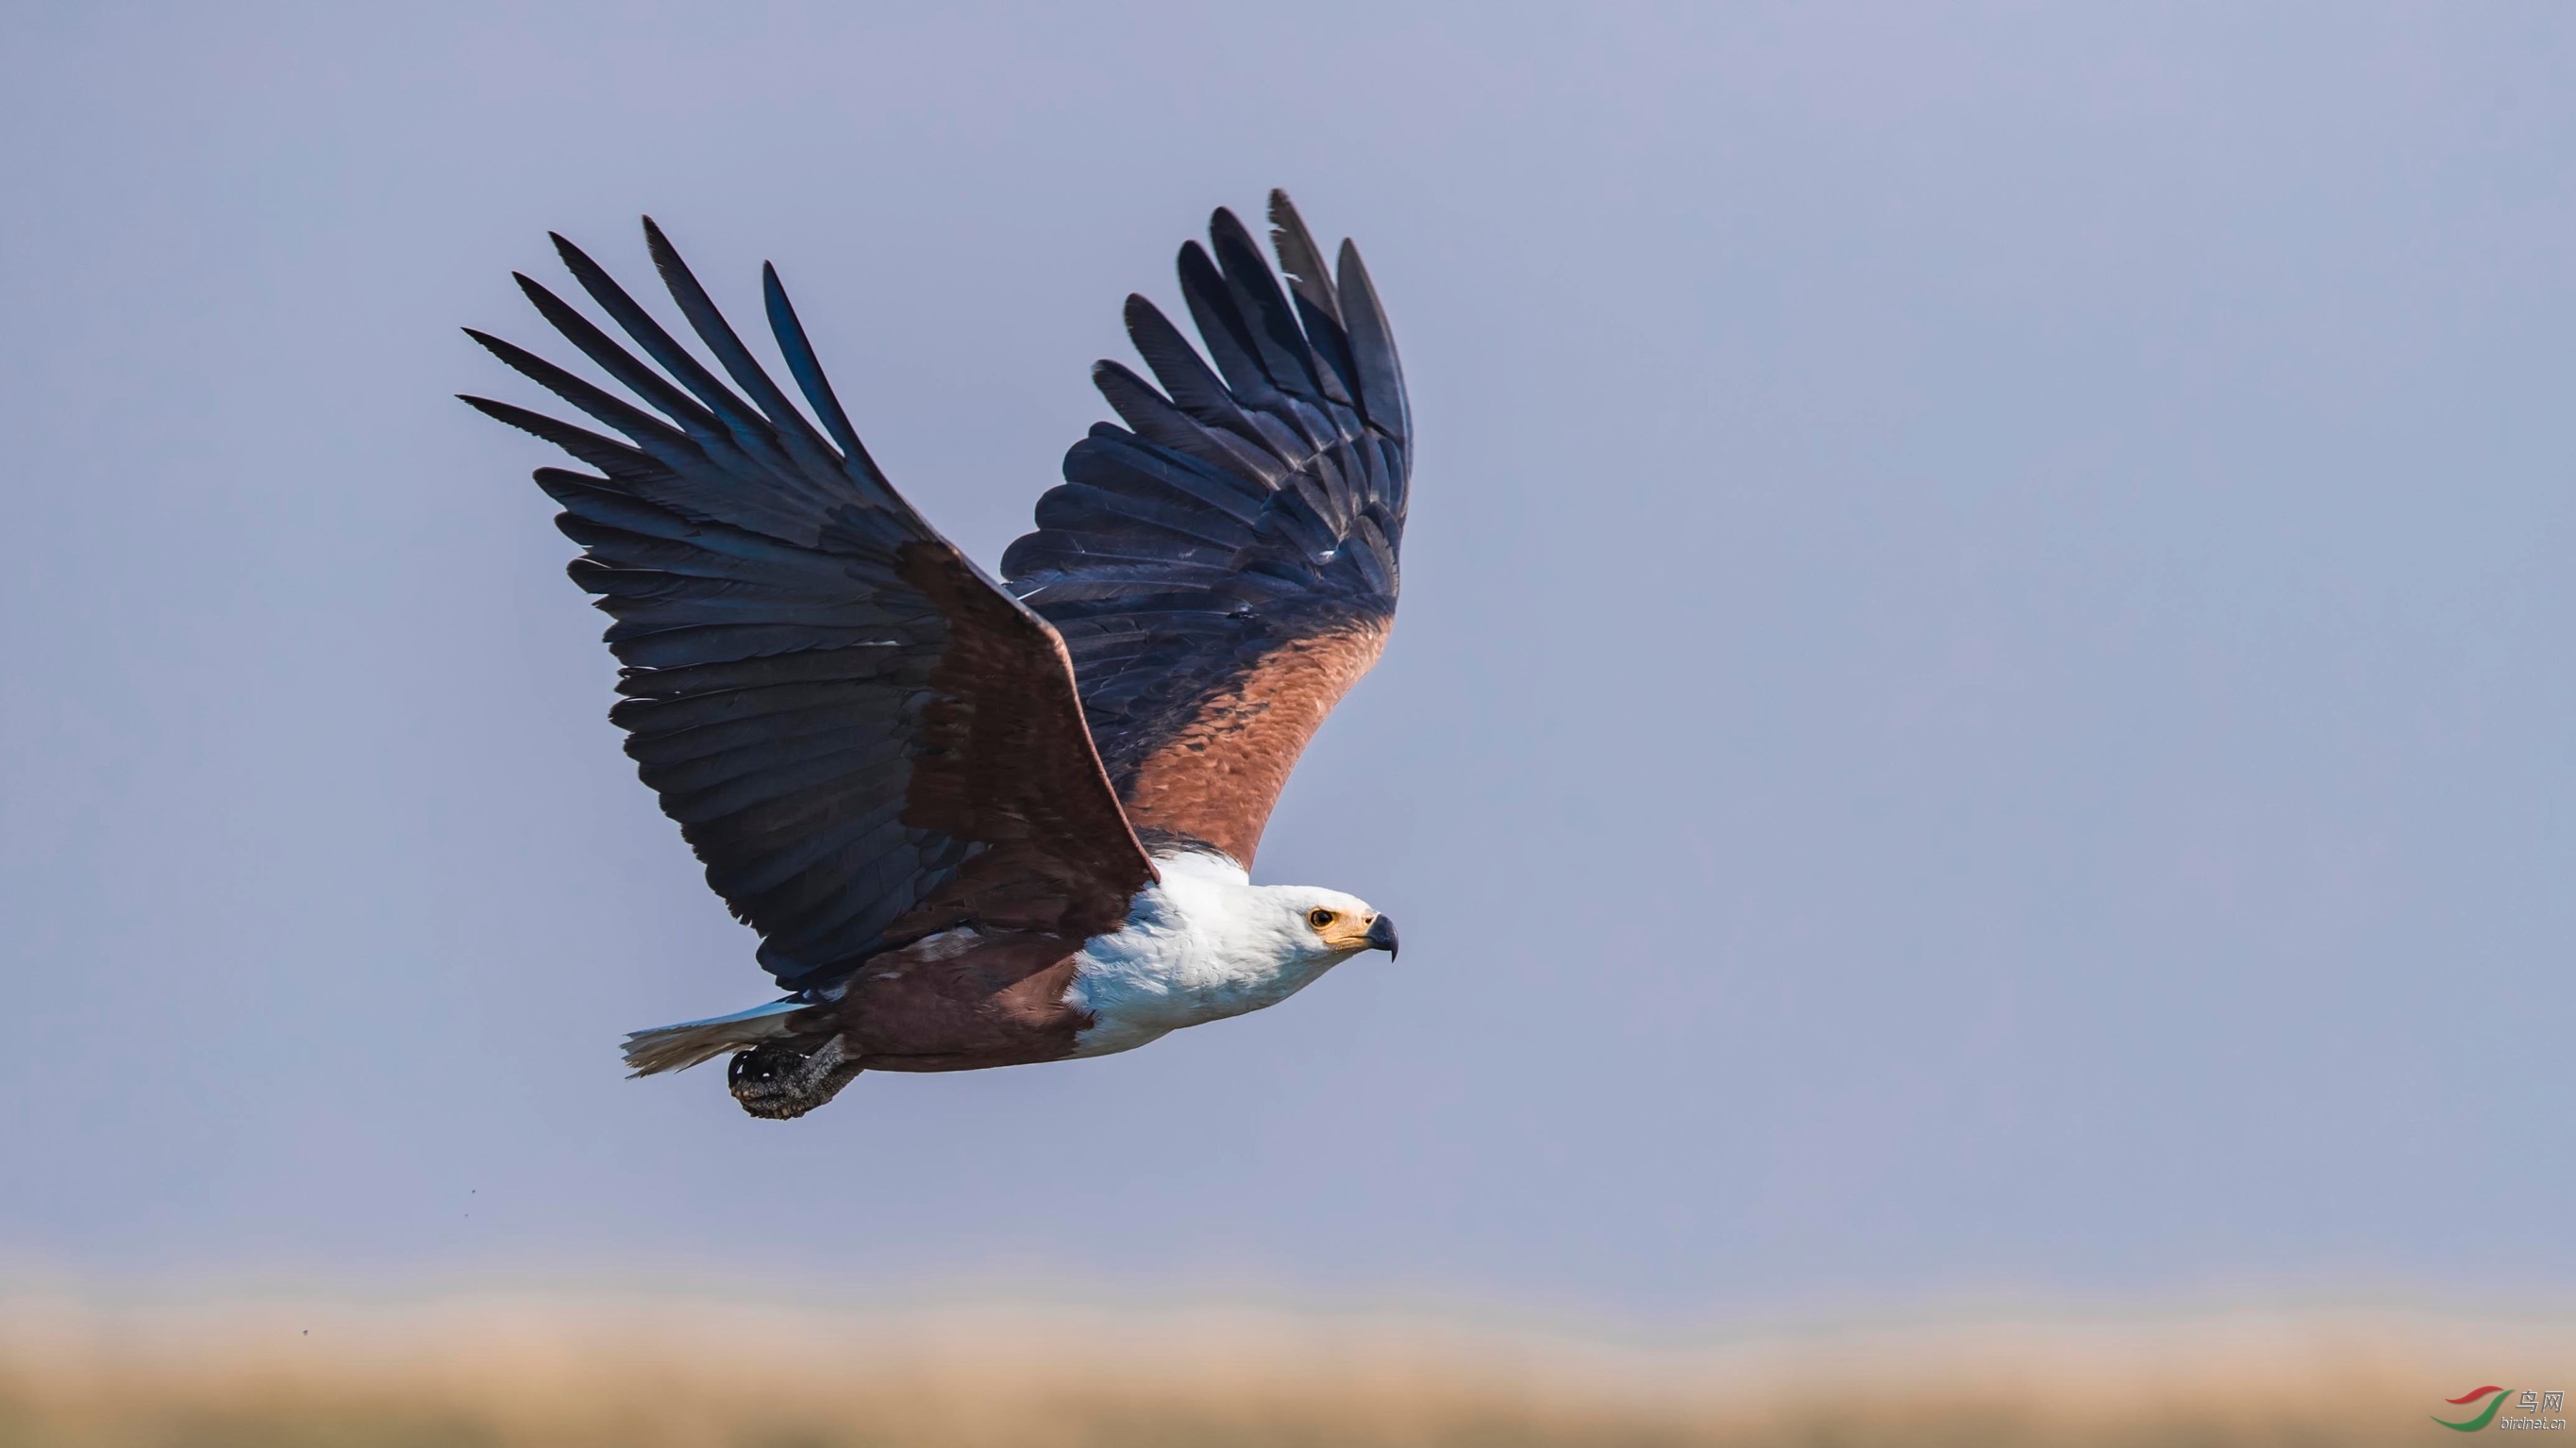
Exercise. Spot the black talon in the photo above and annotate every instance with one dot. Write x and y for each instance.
(780, 1081)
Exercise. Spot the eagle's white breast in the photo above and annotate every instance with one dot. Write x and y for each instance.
(1201, 944)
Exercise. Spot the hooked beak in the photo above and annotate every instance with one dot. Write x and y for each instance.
(1381, 935)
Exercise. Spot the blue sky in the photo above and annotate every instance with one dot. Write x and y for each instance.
(1982, 702)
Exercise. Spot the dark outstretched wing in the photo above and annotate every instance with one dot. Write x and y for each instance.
(1223, 568)
(861, 735)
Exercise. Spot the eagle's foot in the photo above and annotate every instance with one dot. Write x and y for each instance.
(780, 1080)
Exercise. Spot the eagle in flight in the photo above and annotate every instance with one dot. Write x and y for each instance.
(978, 822)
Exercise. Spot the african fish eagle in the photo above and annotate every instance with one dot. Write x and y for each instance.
(976, 822)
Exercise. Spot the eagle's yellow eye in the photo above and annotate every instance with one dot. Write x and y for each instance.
(1319, 918)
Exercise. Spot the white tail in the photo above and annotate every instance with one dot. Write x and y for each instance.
(677, 1048)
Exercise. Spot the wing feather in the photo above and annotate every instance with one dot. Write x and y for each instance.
(1224, 567)
(861, 736)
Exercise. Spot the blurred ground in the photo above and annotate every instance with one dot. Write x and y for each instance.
(603, 1371)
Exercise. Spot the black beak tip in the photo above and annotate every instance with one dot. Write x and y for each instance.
(1381, 936)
